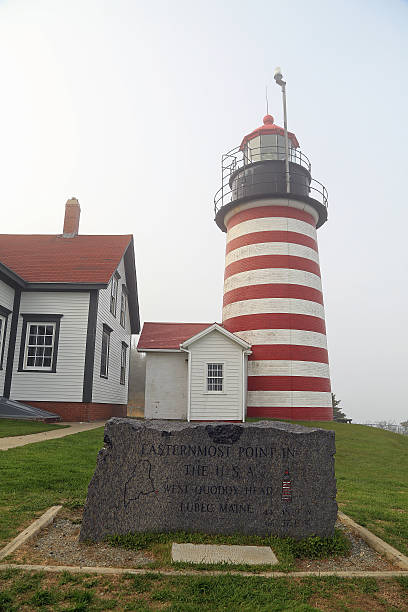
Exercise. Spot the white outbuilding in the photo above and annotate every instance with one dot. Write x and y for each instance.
(194, 371)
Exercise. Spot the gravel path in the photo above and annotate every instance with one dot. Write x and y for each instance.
(362, 557)
(59, 544)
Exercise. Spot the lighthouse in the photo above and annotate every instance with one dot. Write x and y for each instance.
(270, 207)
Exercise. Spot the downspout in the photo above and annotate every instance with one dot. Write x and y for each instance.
(244, 381)
(188, 382)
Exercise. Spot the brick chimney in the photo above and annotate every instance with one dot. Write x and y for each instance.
(71, 220)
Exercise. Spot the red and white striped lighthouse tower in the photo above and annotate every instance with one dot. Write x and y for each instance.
(272, 292)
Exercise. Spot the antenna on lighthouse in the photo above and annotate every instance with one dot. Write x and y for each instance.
(279, 81)
(267, 101)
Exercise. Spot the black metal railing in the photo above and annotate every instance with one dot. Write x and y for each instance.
(238, 183)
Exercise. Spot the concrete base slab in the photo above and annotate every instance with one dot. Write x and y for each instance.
(32, 530)
(214, 553)
(391, 553)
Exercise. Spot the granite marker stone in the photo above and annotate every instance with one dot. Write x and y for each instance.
(258, 478)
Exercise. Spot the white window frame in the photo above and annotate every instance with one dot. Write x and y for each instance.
(27, 345)
(114, 293)
(3, 322)
(214, 392)
(123, 363)
(123, 306)
(105, 374)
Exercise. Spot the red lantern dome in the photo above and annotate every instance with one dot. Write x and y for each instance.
(268, 128)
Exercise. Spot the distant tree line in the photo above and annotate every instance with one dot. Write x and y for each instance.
(402, 428)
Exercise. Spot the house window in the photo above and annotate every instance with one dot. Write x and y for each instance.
(215, 377)
(4, 313)
(39, 343)
(2, 333)
(3, 322)
(123, 361)
(114, 293)
(123, 306)
(106, 332)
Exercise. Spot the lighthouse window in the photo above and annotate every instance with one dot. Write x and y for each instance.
(270, 146)
(281, 147)
(215, 377)
(253, 150)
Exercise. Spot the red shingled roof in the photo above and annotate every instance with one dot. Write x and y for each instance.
(168, 335)
(53, 259)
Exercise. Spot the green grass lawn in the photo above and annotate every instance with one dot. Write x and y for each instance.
(371, 471)
(372, 480)
(10, 427)
(44, 474)
(153, 592)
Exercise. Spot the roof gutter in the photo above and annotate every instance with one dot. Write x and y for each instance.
(245, 355)
(18, 281)
(131, 283)
(8, 274)
(140, 349)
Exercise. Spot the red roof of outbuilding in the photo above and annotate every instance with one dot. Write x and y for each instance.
(53, 259)
(269, 128)
(168, 335)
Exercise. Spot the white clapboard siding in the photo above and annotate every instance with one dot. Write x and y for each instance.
(166, 387)
(66, 383)
(109, 390)
(216, 348)
(6, 300)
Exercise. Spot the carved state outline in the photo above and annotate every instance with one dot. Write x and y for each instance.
(130, 496)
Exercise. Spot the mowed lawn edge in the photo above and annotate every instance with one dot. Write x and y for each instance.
(11, 427)
(371, 472)
(372, 479)
(37, 476)
(155, 591)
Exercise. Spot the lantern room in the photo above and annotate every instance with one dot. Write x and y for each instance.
(256, 169)
(267, 143)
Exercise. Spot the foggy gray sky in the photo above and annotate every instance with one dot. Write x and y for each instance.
(129, 105)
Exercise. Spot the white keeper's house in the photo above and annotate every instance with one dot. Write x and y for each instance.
(68, 307)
